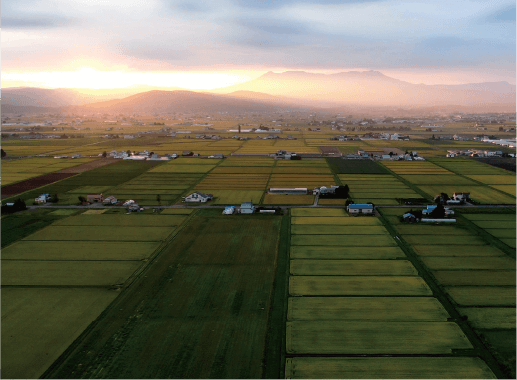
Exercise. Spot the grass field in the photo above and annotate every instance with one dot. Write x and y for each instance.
(481, 194)
(114, 220)
(327, 267)
(387, 368)
(346, 253)
(101, 233)
(271, 199)
(234, 197)
(307, 229)
(218, 274)
(437, 179)
(335, 220)
(346, 240)
(444, 240)
(366, 309)
(482, 295)
(452, 263)
(357, 286)
(456, 250)
(38, 324)
(476, 277)
(80, 250)
(341, 166)
(490, 317)
(495, 179)
(67, 273)
(177, 168)
(177, 211)
(317, 212)
(342, 337)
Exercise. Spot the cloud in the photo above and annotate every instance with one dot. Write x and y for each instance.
(41, 22)
(505, 15)
(274, 4)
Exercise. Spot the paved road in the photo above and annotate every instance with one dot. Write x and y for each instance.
(222, 207)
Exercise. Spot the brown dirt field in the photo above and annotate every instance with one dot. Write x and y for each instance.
(199, 311)
(33, 183)
(89, 166)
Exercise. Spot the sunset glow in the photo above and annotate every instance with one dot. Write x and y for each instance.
(91, 78)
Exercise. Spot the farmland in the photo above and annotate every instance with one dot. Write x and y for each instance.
(211, 300)
(187, 292)
(353, 291)
(476, 270)
(68, 274)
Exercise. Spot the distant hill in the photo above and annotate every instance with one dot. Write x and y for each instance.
(372, 88)
(178, 101)
(62, 97)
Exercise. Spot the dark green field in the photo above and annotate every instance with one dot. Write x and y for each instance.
(341, 166)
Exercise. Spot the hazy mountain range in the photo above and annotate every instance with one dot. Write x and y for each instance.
(271, 91)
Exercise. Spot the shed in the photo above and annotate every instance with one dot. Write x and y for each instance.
(94, 198)
(357, 208)
(247, 208)
(197, 196)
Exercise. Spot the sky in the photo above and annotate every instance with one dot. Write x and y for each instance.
(203, 44)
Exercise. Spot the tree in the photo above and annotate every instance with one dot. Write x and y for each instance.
(55, 198)
(128, 152)
(19, 205)
(104, 154)
(158, 198)
(433, 138)
(3, 153)
(438, 212)
(82, 199)
(346, 190)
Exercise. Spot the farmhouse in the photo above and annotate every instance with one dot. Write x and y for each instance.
(292, 191)
(94, 198)
(247, 208)
(409, 218)
(461, 196)
(198, 197)
(111, 200)
(356, 208)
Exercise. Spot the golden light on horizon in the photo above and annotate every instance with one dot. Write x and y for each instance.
(88, 78)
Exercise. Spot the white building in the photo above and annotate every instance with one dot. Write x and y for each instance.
(198, 197)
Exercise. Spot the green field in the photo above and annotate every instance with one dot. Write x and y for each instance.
(437, 230)
(332, 253)
(344, 240)
(80, 250)
(331, 220)
(122, 220)
(234, 197)
(452, 263)
(476, 277)
(38, 325)
(495, 224)
(317, 212)
(270, 199)
(444, 240)
(341, 166)
(327, 267)
(343, 337)
(482, 295)
(387, 368)
(177, 168)
(437, 179)
(67, 273)
(456, 250)
(177, 211)
(358, 286)
(490, 317)
(307, 229)
(481, 194)
(366, 309)
(495, 179)
(101, 233)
